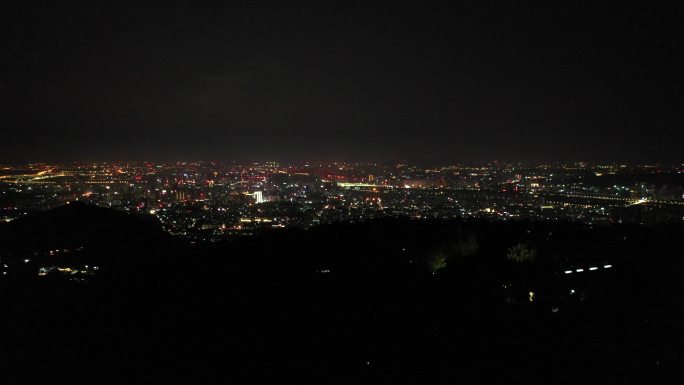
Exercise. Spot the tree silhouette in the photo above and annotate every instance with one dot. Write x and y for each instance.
(522, 253)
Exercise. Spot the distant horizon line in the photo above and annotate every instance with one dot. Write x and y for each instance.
(341, 161)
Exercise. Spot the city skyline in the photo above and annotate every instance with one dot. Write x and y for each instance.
(212, 201)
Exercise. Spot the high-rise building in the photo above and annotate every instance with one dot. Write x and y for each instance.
(258, 196)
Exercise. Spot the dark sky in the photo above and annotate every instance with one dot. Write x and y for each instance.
(428, 81)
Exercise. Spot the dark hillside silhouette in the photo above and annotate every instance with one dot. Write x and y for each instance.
(387, 301)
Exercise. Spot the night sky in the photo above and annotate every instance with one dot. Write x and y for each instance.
(424, 81)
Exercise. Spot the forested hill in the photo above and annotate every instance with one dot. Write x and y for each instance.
(389, 301)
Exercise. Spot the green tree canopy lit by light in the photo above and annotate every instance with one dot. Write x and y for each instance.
(522, 253)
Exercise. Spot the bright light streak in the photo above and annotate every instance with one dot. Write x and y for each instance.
(579, 270)
(568, 271)
(607, 266)
(593, 268)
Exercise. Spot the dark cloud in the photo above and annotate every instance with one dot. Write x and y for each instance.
(350, 80)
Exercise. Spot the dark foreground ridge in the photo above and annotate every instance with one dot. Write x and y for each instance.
(91, 295)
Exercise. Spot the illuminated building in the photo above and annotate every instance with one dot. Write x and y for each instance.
(258, 197)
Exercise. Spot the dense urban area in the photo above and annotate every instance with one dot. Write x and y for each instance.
(209, 201)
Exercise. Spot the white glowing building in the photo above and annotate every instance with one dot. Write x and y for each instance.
(258, 196)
